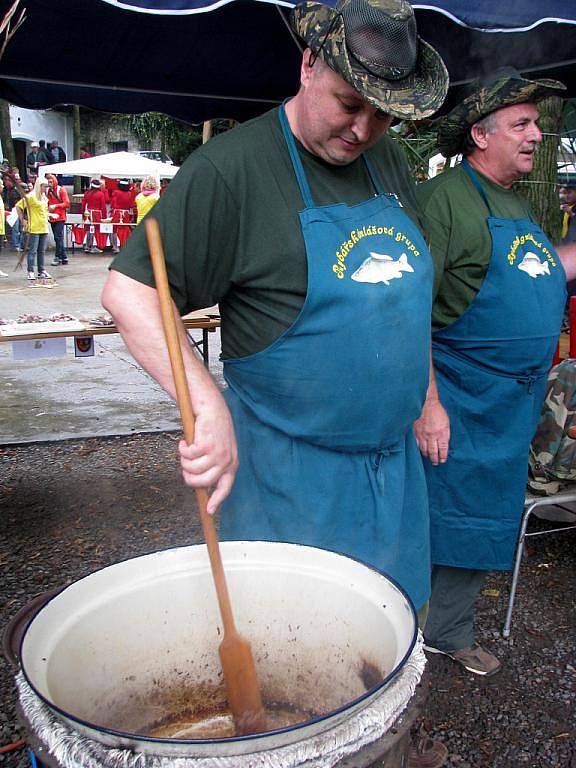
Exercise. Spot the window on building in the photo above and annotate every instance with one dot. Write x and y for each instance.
(117, 146)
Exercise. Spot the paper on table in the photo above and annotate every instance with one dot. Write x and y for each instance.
(37, 348)
(24, 329)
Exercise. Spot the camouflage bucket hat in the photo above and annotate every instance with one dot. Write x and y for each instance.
(373, 45)
(503, 88)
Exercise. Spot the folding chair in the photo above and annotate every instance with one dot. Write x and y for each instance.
(532, 503)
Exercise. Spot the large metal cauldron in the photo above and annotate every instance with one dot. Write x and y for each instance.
(123, 648)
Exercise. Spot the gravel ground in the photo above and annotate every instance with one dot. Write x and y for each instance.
(71, 507)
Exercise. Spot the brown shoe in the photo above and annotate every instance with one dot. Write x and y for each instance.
(425, 752)
(475, 659)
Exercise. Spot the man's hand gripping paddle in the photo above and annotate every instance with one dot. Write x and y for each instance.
(240, 676)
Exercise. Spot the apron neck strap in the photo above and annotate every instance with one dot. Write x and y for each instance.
(473, 176)
(372, 174)
(476, 181)
(296, 161)
(299, 168)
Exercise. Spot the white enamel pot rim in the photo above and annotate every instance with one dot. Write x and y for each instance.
(260, 576)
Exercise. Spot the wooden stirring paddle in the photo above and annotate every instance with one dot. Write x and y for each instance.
(240, 676)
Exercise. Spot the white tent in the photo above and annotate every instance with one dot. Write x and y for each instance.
(116, 165)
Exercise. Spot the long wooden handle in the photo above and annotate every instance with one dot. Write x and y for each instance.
(187, 414)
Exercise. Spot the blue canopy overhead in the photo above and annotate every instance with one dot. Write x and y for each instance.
(199, 60)
(487, 15)
(495, 15)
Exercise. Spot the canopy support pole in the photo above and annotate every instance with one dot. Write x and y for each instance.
(206, 131)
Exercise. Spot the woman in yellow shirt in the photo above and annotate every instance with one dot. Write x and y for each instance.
(148, 197)
(36, 206)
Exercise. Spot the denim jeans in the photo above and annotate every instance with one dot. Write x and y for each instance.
(58, 232)
(36, 248)
(17, 235)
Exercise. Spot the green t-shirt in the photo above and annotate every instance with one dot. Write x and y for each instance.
(460, 243)
(231, 233)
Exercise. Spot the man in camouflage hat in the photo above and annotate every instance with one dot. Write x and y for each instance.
(499, 295)
(303, 226)
(373, 45)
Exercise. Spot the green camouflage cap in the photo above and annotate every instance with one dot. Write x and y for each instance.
(502, 88)
(373, 46)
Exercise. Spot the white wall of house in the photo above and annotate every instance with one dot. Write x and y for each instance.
(34, 124)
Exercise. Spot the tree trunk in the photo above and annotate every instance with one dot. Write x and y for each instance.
(6, 133)
(540, 187)
(76, 140)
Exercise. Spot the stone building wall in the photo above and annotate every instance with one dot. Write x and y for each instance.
(103, 133)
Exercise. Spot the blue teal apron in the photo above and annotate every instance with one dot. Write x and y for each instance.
(491, 368)
(324, 415)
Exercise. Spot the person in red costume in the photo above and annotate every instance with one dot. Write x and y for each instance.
(58, 204)
(93, 211)
(109, 186)
(122, 210)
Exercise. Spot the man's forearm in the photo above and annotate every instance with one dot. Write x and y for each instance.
(136, 312)
(212, 459)
(567, 255)
(432, 393)
(432, 429)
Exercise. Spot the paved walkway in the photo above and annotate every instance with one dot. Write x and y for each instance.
(68, 397)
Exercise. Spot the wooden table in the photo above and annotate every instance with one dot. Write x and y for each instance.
(206, 323)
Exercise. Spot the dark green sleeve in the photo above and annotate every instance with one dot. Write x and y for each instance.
(198, 220)
(459, 240)
(436, 213)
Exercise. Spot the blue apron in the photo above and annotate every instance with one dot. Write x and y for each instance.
(491, 367)
(323, 416)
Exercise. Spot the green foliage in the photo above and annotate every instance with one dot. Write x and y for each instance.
(418, 140)
(176, 138)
